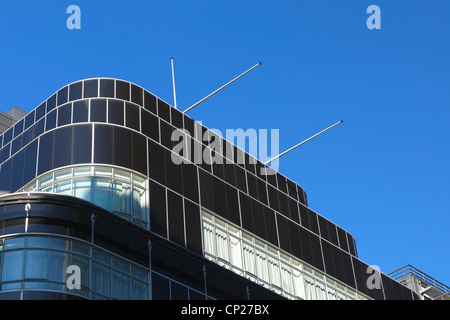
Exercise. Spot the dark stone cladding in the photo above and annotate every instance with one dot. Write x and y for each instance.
(115, 122)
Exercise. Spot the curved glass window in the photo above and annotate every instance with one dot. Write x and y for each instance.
(45, 263)
(120, 191)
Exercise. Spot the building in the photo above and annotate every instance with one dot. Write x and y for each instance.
(92, 184)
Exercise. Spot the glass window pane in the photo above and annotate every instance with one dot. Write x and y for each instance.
(101, 256)
(14, 243)
(120, 286)
(82, 189)
(121, 197)
(57, 266)
(236, 249)
(139, 273)
(63, 188)
(80, 248)
(139, 203)
(120, 264)
(138, 290)
(38, 242)
(36, 266)
(61, 244)
(101, 279)
(101, 193)
(83, 264)
(12, 266)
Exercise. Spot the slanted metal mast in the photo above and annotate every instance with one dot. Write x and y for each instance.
(173, 84)
(298, 145)
(228, 83)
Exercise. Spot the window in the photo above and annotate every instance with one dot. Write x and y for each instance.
(41, 262)
(264, 263)
(120, 191)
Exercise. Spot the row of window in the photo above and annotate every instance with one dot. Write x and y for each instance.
(41, 262)
(246, 255)
(117, 190)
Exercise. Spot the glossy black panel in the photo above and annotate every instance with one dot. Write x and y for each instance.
(16, 144)
(5, 176)
(51, 103)
(17, 171)
(98, 110)
(4, 153)
(82, 144)
(246, 212)
(29, 119)
(293, 210)
(40, 111)
(7, 136)
(122, 147)
(316, 251)
(150, 125)
(173, 171)
(75, 91)
(158, 216)
(107, 88)
(150, 102)
(50, 122)
(273, 198)
(164, 110)
(342, 239)
(258, 219)
(30, 162)
(38, 128)
(115, 112)
(294, 238)
(46, 143)
(220, 202)
(136, 94)
(239, 174)
(177, 118)
(63, 95)
(64, 114)
(232, 204)
(271, 226)
(193, 227)
(80, 111)
(132, 116)
(90, 89)
(156, 162)
(190, 181)
(139, 154)
(103, 144)
(122, 90)
(206, 190)
(18, 128)
(175, 218)
(62, 154)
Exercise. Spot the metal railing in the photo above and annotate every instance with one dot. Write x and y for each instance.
(425, 279)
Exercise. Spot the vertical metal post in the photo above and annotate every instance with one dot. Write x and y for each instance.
(150, 286)
(173, 83)
(204, 281)
(92, 227)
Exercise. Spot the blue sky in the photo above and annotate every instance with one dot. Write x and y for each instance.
(383, 174)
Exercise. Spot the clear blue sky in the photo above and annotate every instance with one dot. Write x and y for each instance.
(383, 174)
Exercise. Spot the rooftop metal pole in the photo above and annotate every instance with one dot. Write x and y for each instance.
(276, 157)
(173, 82)
(208, 96)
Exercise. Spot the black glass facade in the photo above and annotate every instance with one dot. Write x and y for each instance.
(117, 124)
